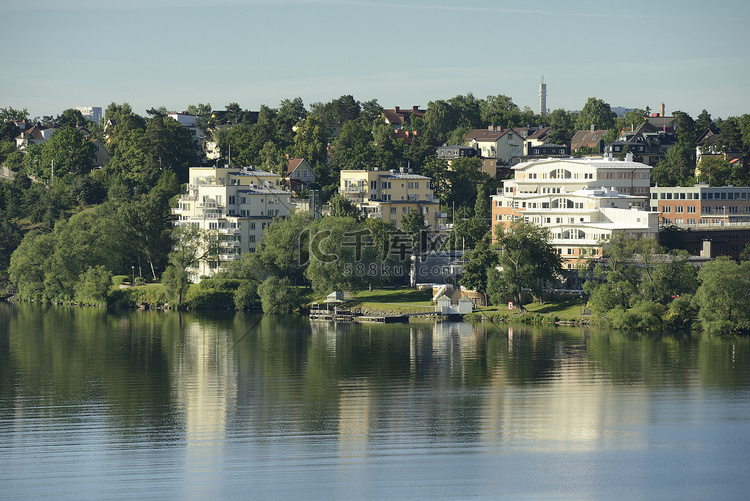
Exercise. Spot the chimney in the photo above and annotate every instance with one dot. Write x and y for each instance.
(593, 127)
(662, 110)
(415, 108)
(397, 109)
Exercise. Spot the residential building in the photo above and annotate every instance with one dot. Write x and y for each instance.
(389, 195)
(93, 113)
(503, 145)
(101, 154)
(36, 134)
(714, 221)
(701, 204)
(190, 122)
(546, 150)
(400, 119)
(235, 206)
(582, 201)
(452, 152)
(591, 139)
(298, 173)
(647, 144)
(506, 146)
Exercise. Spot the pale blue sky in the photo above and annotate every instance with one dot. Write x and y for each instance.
(690, 55)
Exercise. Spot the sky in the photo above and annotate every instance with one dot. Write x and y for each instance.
(690, 55)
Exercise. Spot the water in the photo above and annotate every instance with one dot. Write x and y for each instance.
(95, 405)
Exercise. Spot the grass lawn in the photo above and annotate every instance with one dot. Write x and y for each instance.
(394, 301)
(562, 308)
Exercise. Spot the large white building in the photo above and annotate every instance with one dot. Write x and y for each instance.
(93, 113)
(581, 201)
(234, 206)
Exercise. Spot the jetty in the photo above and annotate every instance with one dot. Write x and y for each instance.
(346, 316)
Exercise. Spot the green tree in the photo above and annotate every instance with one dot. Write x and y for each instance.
(278, 296)
(477, 264)
(341, 255)
(677, 168)
(353, 148)
(71, 118)
(388, 151)
(704, 122)
(10, 113)
(67, 153)
(176, 282)
(527, 258)
(283, 250)
(464, 178)
(311, 143)
(93, 286)
(341, 206)
(597, 113)
(26, 268)
(500, 110)
(414, 226)
(723, 297)
(562, 126)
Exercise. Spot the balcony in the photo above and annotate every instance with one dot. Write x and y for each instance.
(353, 188)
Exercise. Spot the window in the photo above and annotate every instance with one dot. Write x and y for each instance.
(385, 185)
(666, 209)
(691, 209)
(393, 210)
(251, 239)
(252, 226)
(678, 209)
(231, 199)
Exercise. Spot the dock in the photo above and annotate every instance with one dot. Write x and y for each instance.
(343, 316)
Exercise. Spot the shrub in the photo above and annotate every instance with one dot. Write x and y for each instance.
(119, 279)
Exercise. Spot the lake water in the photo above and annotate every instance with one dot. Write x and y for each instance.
(161, 405)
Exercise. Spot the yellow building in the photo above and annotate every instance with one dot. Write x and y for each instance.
(390, 195)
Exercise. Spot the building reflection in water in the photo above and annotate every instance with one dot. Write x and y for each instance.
(206, 387)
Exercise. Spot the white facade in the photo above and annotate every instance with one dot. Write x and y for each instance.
(581, 201)
(189, 122)
(93, 113)
(234, 207)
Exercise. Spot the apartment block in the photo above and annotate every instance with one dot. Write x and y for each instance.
(235, 206)
(583, 202)
(389, 195)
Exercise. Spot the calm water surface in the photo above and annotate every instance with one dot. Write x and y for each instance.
(95, 405)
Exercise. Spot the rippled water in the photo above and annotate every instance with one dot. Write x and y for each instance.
(165, 405)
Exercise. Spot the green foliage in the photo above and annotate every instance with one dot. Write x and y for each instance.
(176, 282)
(278, 296)
(353, 148)
(66, 154)
(341, 206)
(477, 264)
(723, 298)
(220, 284)
(246, 295)
(93, 286)
(120, 279)
(526, 258)
(597, 113)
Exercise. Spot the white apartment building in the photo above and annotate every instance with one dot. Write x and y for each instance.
(190, 122)
(581, 201)
(235, 206)
(93, 113)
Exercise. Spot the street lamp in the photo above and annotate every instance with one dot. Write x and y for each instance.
(132, 267)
